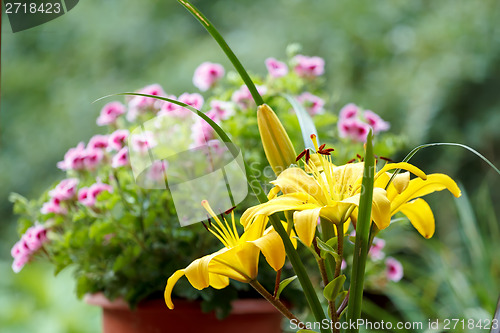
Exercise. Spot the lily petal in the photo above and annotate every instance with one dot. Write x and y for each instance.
(272, 248)
(404, 166)
(172, 280)
(420, 215)
(292, 201)
(418, 187)
(381, 207)
(297, 180)
(305, 224)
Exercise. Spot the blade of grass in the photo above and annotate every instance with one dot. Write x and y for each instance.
(416, 149)
(227, 50)
(305, 121)
(292, 254)
(362, 236)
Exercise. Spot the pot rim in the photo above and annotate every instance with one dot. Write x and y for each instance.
(239, 306)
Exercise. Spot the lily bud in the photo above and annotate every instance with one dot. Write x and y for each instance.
(277, 145)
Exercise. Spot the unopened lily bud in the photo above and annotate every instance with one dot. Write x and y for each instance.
(277, 145)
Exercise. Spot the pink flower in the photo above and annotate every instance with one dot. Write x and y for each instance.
(117, 139)
(309, 66)
(375, 251)
(207, 75)
(202, 132)
(142, 103)
(92, 158)
(349, 111)
(276, 68)
(21, 248)
(110, 112)
(377, 123)
(394, 269)
(353, 129)
(312, 103)
(343, 265)
(98, 141)
(243, 97)
(53, 206)
(222, 110)
(120, 159)
(195, 100)
(73, 159)
(65, 190)
(83, 195)
(157, 170)
(142, 142)
(19, 263)
(87, 196)
(34, 237)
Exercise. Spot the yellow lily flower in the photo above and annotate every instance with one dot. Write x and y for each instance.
(327, 191)
(405, 197)
(238, 259)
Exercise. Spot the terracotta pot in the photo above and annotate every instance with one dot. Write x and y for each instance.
(153, 316)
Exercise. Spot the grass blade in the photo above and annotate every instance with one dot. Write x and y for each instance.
(306, 123)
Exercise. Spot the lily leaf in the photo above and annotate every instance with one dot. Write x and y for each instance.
(333, 288)
(305, 121)
(283, 285)
(327, 249)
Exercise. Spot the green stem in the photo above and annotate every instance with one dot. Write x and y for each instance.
(362, 237)
(227, 50)
(277, 303)
(328, 233)
(340, 248)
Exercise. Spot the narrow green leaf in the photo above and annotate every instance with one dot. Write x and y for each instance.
(283, 285)
(227, 50)
(362, 236)
(332, 242)
(332, 290)
(305, 121)
(416, 149)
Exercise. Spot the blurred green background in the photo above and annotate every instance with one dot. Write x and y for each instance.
(431, 68)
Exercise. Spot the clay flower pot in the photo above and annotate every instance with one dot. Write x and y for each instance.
(153, 316)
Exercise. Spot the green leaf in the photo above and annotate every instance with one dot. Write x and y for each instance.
(305, 121)
(362, 236)
(283, 285)
(334, 287)
(327, 249)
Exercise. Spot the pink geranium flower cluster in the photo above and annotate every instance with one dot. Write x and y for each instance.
(64, 191)
(88, 195)
(31, 241)
(355, 123)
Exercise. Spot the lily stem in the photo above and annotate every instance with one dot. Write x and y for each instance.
(277, 283)
(324, 277)
(277, 303)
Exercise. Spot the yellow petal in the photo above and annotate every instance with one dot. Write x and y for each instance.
(401, 181)
(420, 215)
(335, 212)
(197, 272)
(306, 223)
(238, 263)
(404, 166)
(347, 175)
(418, 187)
(293, 201)
(172, 280)
(381, 207)
(297, 180)
(277, 145)
(256, 229)
(218, 281)
(272, 248)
